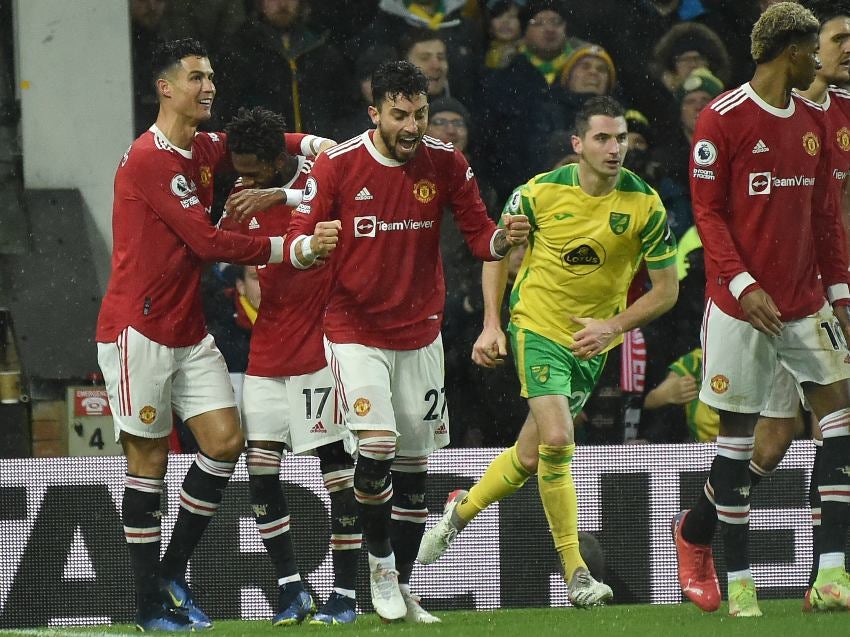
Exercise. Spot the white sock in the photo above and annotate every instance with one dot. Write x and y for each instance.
(831, 560)
(387, 562)
(737, 576)
(345, 592)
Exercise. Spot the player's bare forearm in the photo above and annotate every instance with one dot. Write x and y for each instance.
(596, 335)
(494, 279)
(490, 348)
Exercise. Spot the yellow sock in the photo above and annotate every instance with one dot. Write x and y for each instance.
(504, 476)
(558, 494)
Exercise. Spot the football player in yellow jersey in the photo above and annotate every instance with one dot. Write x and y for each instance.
(591, 225)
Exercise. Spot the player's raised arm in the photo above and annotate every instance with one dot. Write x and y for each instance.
(177, 205)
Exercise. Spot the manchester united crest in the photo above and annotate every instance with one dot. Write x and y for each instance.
(842, 136)
(811, 143)
(362, 406)
(147, 414)
(719, 384)
(424, 191)
(206, 176)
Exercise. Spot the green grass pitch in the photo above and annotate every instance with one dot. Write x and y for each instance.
(781, 619)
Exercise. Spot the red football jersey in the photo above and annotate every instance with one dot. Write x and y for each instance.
(388, 286)
(286, 339)
(162, 236)
(759, 185)
(837, 107)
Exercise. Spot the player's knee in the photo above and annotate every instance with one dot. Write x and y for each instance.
(528, 458)
(226, 447)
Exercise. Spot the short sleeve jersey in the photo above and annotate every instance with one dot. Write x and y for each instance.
(286, 339)
(583, 251)
(703, 421)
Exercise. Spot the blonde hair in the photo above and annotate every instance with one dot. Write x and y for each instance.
(781, 24)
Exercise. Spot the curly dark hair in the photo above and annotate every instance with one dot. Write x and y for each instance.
(692, 36)
(168, 54)
(599, 105)
(400, 77)
(257, 131)
(779, 26)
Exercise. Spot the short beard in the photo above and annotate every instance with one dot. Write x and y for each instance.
(390, 147)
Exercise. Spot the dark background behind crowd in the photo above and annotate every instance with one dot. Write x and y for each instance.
(506, 78)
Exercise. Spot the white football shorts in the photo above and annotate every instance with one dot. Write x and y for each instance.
(145, 381)
(739, 362)
(395, 390)
(300, 411)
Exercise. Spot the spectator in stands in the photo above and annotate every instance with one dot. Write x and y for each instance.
(700, 87)
(211, 22)
(681, 388)
(462, 36)
(673, 343)
(427, 50)
(589, 70)
(232, 298)
(640, 137)
(145, 25)
(275, 60)
(686, 47)
(523, 103)
(504, 30)
(357, 120)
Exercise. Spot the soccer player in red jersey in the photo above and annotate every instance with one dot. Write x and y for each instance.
(760, 173)
(153, 347)
(373, 206)
(777, 425)
(288, 394)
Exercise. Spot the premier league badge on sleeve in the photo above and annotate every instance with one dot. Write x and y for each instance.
(310, 190)
(705, 153)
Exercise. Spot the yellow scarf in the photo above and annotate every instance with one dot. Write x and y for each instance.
(433, 21)
(550, 69)
(250, 310)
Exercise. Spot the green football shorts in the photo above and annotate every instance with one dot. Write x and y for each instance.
(545, 368)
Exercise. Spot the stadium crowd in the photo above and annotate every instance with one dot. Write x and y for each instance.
(506, 78)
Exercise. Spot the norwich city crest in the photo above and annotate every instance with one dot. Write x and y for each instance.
(540, 373)
(619, 222)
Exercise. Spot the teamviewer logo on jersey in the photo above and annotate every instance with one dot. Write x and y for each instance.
(760, 183)
(364, 226)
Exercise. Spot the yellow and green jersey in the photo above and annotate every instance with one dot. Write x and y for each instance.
(703, 421)
(583, 251)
